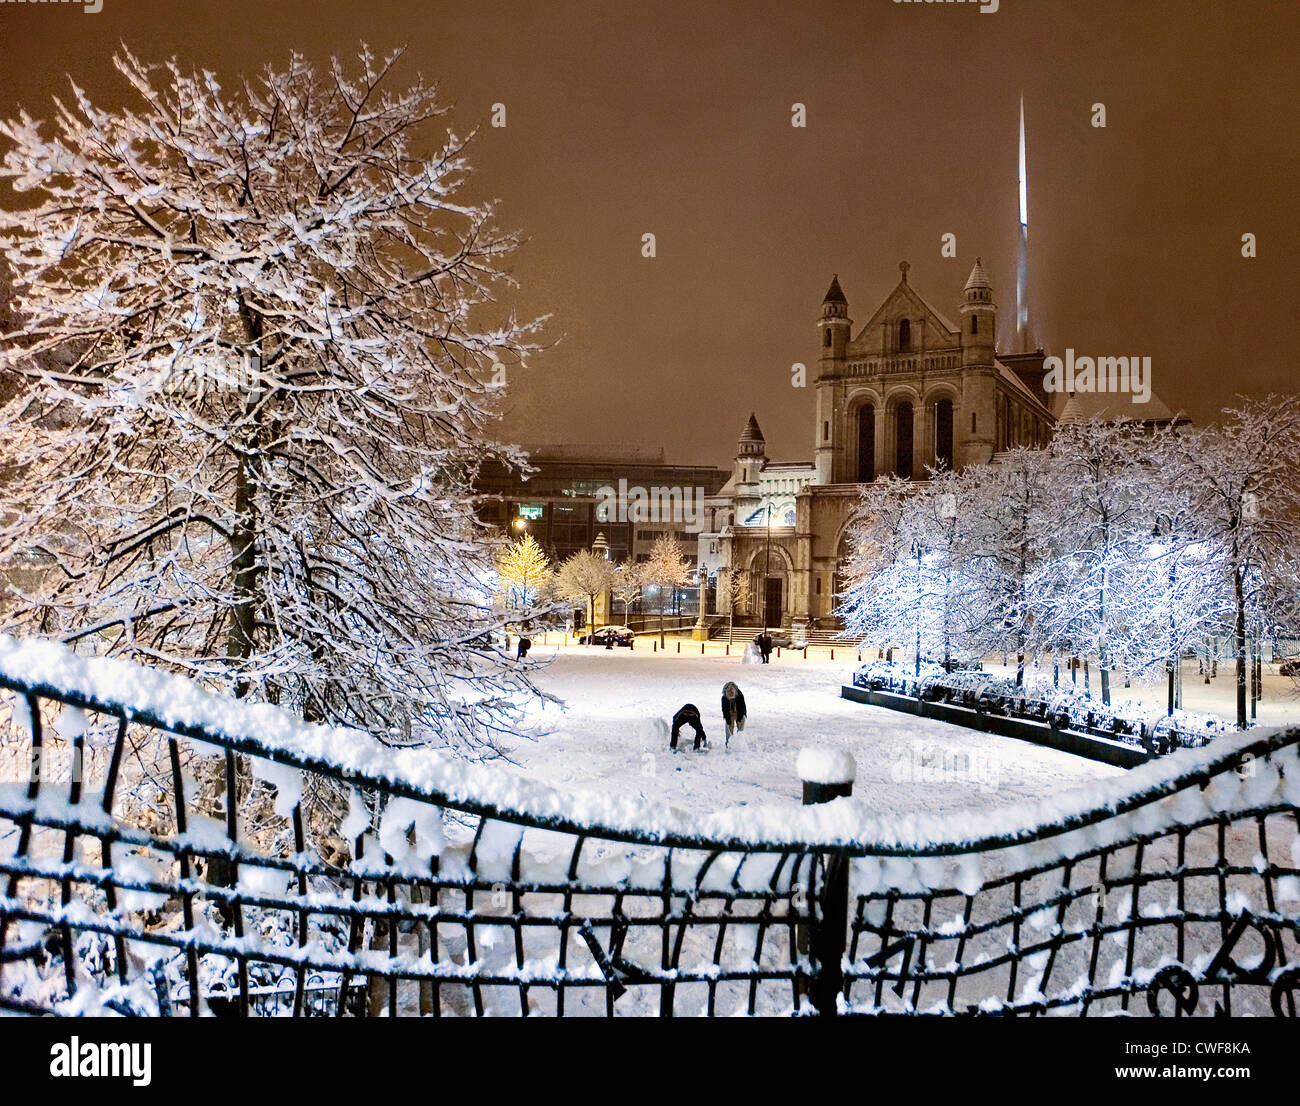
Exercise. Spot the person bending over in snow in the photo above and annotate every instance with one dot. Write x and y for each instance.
(689, 715)
(733, 709)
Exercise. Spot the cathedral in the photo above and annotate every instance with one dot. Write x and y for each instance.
(913, 389)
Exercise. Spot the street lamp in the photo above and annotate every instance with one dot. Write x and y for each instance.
(916, 546)
(767, 565)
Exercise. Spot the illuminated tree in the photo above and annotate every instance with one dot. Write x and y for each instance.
(667, 569)
(585, 576)
(525, 572)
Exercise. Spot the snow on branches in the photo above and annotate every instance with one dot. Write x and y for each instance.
(258, 357)
(1114, 542)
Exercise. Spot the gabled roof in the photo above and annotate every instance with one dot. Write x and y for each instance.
(904, 291)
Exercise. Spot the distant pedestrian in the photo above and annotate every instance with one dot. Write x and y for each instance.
(525, 643)
(765, 647)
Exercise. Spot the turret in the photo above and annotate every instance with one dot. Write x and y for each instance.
(751, 457)
(834, 324)
(979, 316)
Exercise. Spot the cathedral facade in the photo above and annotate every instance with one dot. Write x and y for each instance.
(912, 390)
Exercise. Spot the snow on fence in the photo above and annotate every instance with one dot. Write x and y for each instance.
(353, 878)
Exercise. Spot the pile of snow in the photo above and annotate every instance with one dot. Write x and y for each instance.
(818, 764)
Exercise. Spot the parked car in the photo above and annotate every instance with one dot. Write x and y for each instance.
(491, 639)
(782, 640)
(620, 635)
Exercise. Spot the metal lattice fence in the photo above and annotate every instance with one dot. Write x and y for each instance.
(128, 888)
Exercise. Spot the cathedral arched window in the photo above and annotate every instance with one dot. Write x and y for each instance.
(974, 324)
(903, 441)
(904, 336)
(826, 339)
(866, 443)
(943, 436)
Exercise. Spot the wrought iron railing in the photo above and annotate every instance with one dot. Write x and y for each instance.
(349, 879)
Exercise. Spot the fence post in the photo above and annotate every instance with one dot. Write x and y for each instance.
(827, 774)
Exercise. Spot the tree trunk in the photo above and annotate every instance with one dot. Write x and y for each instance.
(1239, 593)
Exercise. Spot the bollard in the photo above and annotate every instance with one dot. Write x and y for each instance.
(701, 648)
(654, 647)
(826, 774)
(728, 653)
(805, 652)
(778, 654)
(679, 647)
(832, 654)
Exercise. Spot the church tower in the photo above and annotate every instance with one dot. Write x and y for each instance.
(833, 332)
(751, 457)
(979, 318)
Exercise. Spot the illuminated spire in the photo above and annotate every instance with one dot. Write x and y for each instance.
(1024, 191)
(1024, 341)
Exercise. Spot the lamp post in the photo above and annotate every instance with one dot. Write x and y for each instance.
(767, 565)
(948, 513)
(917, 546)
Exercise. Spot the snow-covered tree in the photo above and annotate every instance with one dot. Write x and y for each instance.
(1009, 512)
(667, 569)
(736, 594)
(257, 367)
(1096, 475)
(585, 576)
(525, 574)
(881, 596)
(1247, 503)
(626, 588)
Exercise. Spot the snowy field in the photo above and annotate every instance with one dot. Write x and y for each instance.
(606, 737)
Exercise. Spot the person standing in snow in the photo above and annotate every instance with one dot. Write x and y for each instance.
(733, 709)
(525, 643)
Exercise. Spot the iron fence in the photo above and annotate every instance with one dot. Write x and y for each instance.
(129, 888)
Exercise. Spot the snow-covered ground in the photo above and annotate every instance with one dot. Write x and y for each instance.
(612, 735)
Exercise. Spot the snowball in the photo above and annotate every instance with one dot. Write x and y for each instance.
(818, 764)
